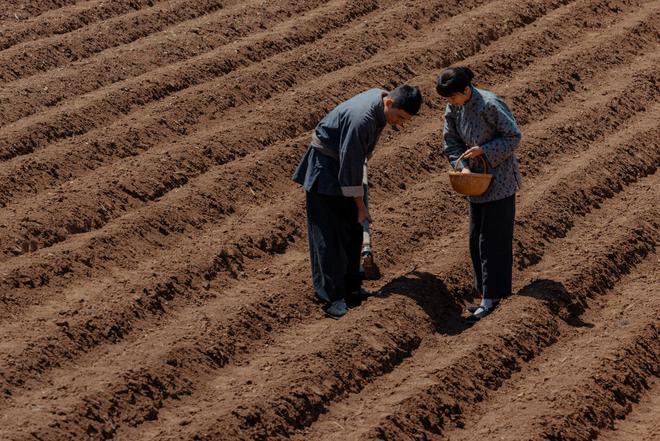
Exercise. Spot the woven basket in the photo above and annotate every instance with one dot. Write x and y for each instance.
(470, 184)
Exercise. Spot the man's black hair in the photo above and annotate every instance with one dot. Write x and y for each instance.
(454, 80)
(407, 98)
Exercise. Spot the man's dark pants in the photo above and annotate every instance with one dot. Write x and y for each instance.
(491, 246)
(335, 242)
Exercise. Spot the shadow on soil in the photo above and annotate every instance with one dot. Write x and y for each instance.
(444, 307)
(430, 292)
(558, 299)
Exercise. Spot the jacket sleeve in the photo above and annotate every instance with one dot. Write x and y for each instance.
(507, 137)
(452, 144)
(353, 145)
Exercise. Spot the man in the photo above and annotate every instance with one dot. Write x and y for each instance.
(331, 173)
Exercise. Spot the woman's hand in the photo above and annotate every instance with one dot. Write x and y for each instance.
(473, 152)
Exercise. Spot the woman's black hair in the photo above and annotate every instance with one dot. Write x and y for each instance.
(454, 80)
(407, 98)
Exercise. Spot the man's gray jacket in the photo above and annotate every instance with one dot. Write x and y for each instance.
(340, 145)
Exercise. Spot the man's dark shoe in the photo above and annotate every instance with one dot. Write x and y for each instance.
(357, 297)
(336, 309)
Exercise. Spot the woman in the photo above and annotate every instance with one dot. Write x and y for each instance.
(478, 122)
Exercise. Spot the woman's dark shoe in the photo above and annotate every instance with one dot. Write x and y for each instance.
(480, 313)
(336, 309)
(472, 308)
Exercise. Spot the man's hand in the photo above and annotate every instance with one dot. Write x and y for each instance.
(363, 211)
(363, 214)
(473, 152)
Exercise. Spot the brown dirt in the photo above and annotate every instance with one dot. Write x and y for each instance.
(154, 281)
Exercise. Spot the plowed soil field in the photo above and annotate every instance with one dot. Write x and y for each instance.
(154, 277)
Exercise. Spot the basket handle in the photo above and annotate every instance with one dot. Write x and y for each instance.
(483, 161)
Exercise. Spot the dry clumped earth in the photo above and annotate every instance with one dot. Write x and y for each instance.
(154, 282)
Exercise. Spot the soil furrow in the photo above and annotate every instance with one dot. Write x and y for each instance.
(578, 188)
(213, 143)
(257, 186)
(580, 361)
(177, 44)
(32, 57)
(134, 401)
(187, 362)
(177, 175)
(269, 407)
(641, 424)
(643, 235)
(219, 184)
(155, 288)
(571, 192)
(571, 392)
(179, 62)
(197, 107)
(182, 78)
(582, 384)
(429, 410)
(66, 19)
(154, 273)
(13, 8)
(546, 140)
(67, 270)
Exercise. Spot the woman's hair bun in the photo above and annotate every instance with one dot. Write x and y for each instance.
(467, 72)
(454, 80)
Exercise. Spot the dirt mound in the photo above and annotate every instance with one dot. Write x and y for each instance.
(154, 281)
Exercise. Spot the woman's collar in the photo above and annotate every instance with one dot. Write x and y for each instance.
(475, 98)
